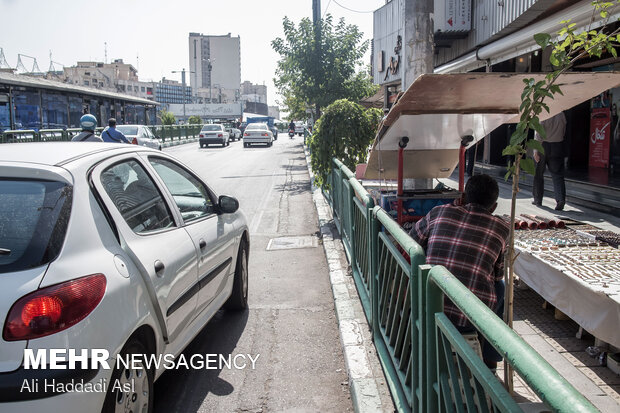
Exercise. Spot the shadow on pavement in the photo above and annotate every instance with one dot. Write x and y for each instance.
(184, 390)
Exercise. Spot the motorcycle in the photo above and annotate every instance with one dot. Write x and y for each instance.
(291, 133)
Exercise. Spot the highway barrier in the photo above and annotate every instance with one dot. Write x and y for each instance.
(169, 135)
(429, 365)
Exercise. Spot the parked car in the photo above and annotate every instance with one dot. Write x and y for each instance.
(140, 135)
(257, 133)
(213, 134)
(113, 247)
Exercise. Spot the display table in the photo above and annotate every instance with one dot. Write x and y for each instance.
(584, 283)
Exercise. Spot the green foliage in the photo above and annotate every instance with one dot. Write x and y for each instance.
(569, 47)
(194, 120)
(312, 72)
(345, 131)
(167, 118)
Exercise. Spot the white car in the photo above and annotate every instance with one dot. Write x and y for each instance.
(140, 135)
(257, 133)
(106, 247)
(213, 134)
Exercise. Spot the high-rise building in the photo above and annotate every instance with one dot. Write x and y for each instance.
(171, 91)
(215, 63)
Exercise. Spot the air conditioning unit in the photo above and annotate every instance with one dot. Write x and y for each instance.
(452, 17)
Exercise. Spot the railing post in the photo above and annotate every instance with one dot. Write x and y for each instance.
(373, 229)
(433, 297)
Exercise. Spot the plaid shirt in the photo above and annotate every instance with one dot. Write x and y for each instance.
(470, 242)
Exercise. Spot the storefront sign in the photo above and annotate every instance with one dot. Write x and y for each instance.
(452, 16)
(600, 137)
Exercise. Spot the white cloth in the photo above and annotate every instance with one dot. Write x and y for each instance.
(84, 137)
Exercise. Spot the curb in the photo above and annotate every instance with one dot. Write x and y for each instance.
(362, 382)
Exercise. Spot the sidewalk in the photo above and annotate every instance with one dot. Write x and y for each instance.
(555, 339)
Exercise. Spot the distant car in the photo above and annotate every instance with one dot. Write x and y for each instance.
(139, 135)
(235, 134)
(299, 128)
(274, 130)
(257, 133)
(108, 247)
(213, 134)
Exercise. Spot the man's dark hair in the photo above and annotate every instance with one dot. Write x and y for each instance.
(481, 190)
(112, 122)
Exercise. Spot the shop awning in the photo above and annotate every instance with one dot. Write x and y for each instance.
(438, 109)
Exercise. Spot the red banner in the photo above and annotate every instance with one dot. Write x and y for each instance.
(600, 137)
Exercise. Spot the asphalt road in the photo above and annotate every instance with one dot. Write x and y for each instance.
(291, 323)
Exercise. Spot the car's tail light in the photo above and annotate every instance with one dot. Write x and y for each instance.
(202, 136)
(246, 134)
(264, 134)
(53, 309)
(219, 135)
(134, 141)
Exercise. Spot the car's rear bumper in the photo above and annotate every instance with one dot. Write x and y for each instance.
(256, 140)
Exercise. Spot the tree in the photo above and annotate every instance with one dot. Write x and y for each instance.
(194, 120)
(567, 48)
(167, 118)
(317, 68)
(345, 130)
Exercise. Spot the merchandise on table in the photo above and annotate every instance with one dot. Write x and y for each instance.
(552, 239)
(609, 237)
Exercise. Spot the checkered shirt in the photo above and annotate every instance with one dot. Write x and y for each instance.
(470, 242)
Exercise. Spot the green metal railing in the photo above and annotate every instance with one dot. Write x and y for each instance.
(429, 366)
(168, 135)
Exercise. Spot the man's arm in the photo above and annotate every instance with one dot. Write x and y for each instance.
(498, 268)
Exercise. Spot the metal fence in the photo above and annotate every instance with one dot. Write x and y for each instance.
(428, 364)
(169, 135)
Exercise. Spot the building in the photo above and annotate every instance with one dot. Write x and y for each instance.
(254, 98)
(488, 35)
(274, 112)
(28, 102)
(215, 67)
(171, 91)
(117, 77)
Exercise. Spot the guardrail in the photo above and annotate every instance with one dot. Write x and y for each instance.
(429, 366)
(169, 135)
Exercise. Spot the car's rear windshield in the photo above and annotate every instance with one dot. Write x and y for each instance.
(127, 130)
(211, 127)
(259, 126)
(33, 222)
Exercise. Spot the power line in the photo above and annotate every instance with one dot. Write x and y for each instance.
(325, 12)
(354, 11)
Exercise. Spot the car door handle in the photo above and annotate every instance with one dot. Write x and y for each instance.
(202, 243)
(159, 268)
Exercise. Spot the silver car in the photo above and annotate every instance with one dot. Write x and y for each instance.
(213, 133)
(118, 248)
(140, 135)
(257, 133)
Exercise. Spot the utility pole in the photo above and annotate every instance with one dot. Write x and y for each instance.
(316, 20)
(182, 72)
(418, 51)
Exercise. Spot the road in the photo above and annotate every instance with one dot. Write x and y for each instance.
(291, 322)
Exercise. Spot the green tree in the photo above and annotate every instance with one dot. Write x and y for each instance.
(345, 130)
(567, 47)
(167, 118)
(318, 67)
(194, 120)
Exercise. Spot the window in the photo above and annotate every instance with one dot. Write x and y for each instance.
(86, 83)
(189, 193)
(136, 197)
(142, 89)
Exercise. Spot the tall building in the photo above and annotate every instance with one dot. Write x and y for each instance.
(171, 91)
(215, 63)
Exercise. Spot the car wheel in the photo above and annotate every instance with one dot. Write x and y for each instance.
(138, 382)
(160, 147)
(227, 143)
(239, 297)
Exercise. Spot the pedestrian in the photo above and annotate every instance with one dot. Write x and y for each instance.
(88, 123)
(553, 158)
(113, 135)
(470, 242)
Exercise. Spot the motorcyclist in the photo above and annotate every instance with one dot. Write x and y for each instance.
(88, 123)
(113, 135)
(291, 126)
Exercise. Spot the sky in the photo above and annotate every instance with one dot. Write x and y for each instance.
(153, 35)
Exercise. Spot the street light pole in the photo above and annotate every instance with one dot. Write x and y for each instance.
(182, 72)
(210, 67)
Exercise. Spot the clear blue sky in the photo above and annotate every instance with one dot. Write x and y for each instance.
(157, 31)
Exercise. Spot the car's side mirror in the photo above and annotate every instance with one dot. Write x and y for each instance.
(227, 204)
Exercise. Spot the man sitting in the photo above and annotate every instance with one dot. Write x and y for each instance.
(470, 242)
(113, 135)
